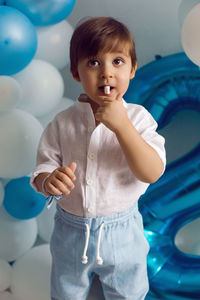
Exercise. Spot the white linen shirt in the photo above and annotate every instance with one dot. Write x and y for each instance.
(104, 183)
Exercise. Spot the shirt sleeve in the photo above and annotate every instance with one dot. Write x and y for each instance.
(48, 154)
(146, 126)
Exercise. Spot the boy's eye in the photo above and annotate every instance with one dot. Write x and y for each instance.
(93, 63)
(118, 61)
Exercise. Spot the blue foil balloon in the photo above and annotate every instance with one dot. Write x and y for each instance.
(164, 87)
(21, 201)
(18, 41)
(44, 12)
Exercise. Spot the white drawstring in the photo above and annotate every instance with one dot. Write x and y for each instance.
(84, 257)
(98, 257)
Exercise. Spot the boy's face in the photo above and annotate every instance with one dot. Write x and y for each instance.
(112, 69)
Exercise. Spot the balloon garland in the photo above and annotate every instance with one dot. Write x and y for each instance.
(166, 86)
(24, 80)
(21, 76)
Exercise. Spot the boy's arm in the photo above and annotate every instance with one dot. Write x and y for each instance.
(143, 160)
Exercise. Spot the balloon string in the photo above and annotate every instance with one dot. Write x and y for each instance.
(51, 198)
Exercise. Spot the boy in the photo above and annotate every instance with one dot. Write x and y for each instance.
(101, 154)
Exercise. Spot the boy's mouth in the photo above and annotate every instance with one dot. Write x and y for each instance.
(105, 89)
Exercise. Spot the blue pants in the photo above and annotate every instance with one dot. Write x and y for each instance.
(112, 247)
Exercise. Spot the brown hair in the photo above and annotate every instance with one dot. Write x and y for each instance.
(103, 33)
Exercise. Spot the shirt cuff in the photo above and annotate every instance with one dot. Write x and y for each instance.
(36, 172)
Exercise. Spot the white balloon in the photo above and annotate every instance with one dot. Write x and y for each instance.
(10, 93)
(184, 8)
(45, 222)
(5, 275)
(42, 87)
(19, 135)
(7, 296)
(2, 193)
(16, 236)
(54, 43)
(31, 274)
(64, 104)
(190, 35)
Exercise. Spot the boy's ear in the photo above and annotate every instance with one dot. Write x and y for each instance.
(132, 75)
(76, 76)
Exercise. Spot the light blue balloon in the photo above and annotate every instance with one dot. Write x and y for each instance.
(164, 87)
(44, 12)
(18, 41)
(21, 201)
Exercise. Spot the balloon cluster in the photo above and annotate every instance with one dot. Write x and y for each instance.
(34, 46)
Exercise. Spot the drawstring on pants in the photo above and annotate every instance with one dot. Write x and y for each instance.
(98, 257)
(84, 257)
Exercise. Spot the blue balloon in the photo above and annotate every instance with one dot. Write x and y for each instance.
(166, 78)
(18, 41)
(164, 87)
(21, 201)
(44, 12)
(167, 206)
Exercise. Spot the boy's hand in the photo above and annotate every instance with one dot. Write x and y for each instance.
(112, 113)
(60, 182)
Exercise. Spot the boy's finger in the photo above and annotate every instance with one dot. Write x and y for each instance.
(108, 99)
(67, 171)
(119, 97)
(62, 179)
(53, 190)
(73, 166)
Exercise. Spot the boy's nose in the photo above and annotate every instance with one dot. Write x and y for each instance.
(106, 72)
(105, 76)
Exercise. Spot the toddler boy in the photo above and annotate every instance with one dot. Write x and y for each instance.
(101, 154)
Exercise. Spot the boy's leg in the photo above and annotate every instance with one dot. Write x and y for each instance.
(124, 250)
(70, 279)
(67, 288)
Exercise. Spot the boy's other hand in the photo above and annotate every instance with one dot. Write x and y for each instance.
(60, 181)
(112, 113)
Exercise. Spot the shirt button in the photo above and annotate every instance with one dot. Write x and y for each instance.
(89, 181)
(90, 209)
(90, 129)
(91, 155)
